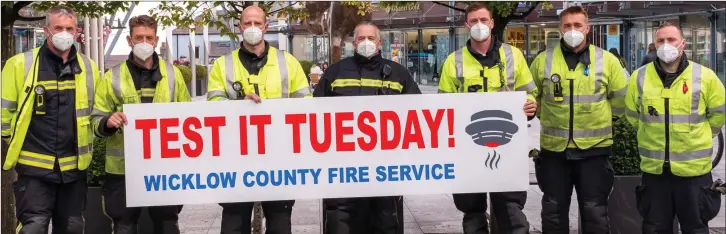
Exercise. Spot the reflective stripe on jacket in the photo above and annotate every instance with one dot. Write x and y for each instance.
(461, 70)
(676, 125)
(281, 77)
(19, 78)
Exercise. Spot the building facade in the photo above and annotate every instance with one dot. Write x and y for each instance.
(421, 37)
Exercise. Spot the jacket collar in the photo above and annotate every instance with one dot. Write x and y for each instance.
(55, 59)
(663, 74)
(492, 56)
(583, 56)
(367, 63)
(136, 69)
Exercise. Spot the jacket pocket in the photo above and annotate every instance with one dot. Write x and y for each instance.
(131, 99)
(709, 203)
(642, 204)
(682, 121)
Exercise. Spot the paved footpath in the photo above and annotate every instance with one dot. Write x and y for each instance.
(423, 214)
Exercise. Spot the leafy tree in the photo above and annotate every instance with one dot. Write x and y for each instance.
(504, 12)
(193, 14)
(10, 14)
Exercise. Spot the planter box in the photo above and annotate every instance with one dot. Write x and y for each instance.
(201, 88)
(623, 209)
(98, 223)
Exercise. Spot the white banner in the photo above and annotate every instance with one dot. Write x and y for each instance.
(283, 149)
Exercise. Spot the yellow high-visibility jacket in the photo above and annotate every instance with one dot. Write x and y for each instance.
(19, 77)
(592, 95)
(676, 125)
(281, 77)
(116, 89)
(461, 71)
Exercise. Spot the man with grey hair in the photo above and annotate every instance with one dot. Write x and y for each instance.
(47, 96)
(365, 74)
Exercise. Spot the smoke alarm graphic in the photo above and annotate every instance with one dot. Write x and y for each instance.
(491, 129)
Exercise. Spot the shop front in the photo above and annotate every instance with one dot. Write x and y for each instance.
(27, 38)
(422, 36)
(704, 36)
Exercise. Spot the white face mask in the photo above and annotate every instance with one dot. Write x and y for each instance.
(480, 32)
(62, 40)
(574, 38)
(367, 48)
(143, 50)
(667, 53)
(252, 35)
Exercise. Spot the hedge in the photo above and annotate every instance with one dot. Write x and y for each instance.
(625, 156)
(187, 73)
(98, 164)
(306, 65)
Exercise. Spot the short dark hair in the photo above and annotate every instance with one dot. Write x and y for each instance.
(475, 6)
(61, 10)
(671, 24)
(142, 20)
(574, 10)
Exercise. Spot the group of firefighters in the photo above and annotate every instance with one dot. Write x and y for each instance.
(576, 90)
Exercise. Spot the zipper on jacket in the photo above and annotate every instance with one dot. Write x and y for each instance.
(667, 135)
(28, 91)
(486, 85)
(572, 112)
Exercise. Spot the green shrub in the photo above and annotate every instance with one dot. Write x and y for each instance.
(306, 65)
(625, 156)
(98, 164)
(186, 73)
(201, 72)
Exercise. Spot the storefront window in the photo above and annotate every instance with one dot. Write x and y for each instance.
(541, 38)
(462, 35)
(514, 36)
(641, 35)
(348, 48)
(434, 52)
(697, 32)
(302, 47)
(39, 38)
(23, 39)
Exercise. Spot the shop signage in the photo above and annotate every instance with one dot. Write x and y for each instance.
(408, 7)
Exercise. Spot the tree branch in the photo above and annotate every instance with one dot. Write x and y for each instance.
(20, 5)
(281, 9)
(449, 6)
(234, 7)
(526, 13)
(26, 18)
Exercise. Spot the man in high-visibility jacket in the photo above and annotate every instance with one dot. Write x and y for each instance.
(677, 106)
(256, 71)
(581, 88)
(47, 97)
(488, 65)
(143, 78)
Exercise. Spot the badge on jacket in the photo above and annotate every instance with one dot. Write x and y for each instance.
(556, 79)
